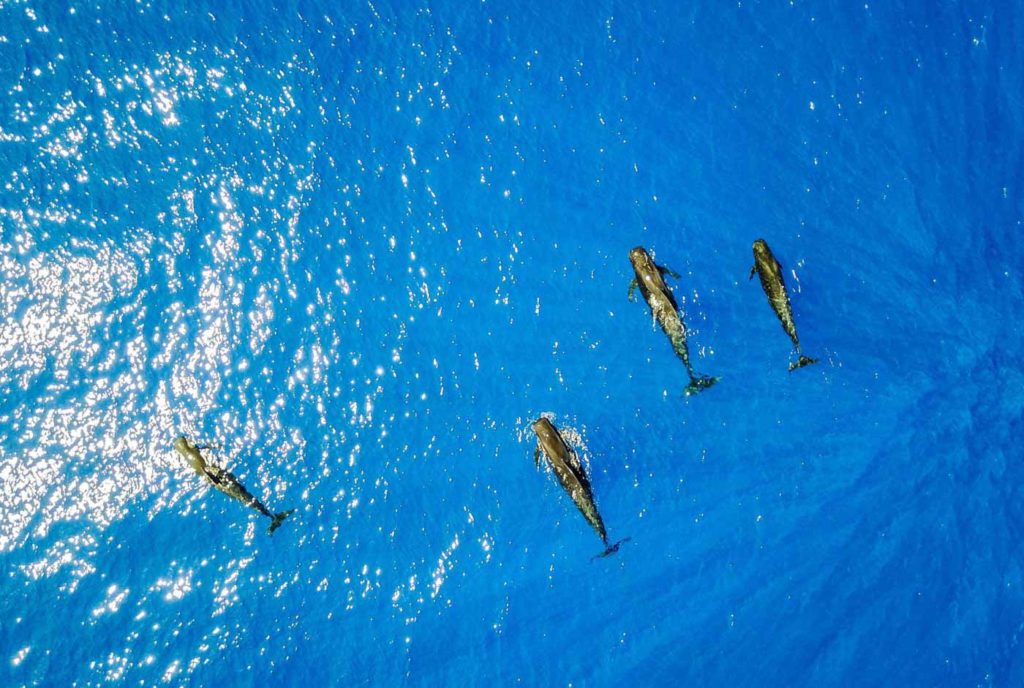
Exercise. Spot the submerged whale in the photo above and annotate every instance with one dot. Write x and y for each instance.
(569, 470)
(770, 272)
(226, 482)
(650, 279)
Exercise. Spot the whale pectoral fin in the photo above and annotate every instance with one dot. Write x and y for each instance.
(536, 457)
(668, 271)
(752, 271)
(632, 288)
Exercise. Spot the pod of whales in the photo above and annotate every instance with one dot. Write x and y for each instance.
(567, 467)
(226, 482)
(650, 277)
(770, 272)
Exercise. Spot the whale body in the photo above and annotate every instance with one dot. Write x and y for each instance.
(650, 277)
(774, 285)
(227, 483)
(569, 471)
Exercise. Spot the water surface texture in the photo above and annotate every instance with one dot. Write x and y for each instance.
(359, 246)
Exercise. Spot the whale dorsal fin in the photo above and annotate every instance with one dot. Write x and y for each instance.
(573, 459)
(217, 475)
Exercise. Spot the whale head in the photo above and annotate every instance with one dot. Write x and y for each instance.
(548, 439)
(640, 258)
(543, 427)
(191, 454)
(761, 249)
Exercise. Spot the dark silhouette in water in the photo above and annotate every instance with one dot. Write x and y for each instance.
(770, 272)
(650, 279)
(569, 470)
(226, 482)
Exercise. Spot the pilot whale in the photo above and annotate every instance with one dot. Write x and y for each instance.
(770, 272)
(650, 277)
(226, 482)
(570, 473)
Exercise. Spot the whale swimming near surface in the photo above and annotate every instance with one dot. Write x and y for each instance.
(226, 482)
(650, 277)
(570, 473)
(770, 272)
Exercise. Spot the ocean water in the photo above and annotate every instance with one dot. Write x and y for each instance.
(360, 246)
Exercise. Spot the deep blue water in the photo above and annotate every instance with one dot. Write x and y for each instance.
(360, 246)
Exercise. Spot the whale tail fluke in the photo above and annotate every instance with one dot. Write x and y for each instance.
(699, 384)
(803, 361)
(610, 550)
(278, 520)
